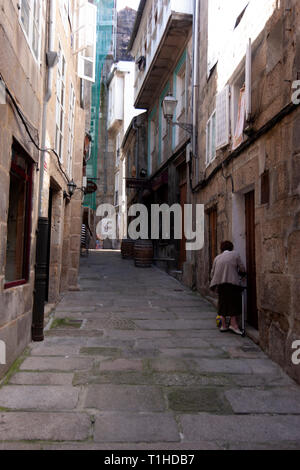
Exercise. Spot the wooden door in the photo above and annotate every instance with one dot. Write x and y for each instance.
(252, 316)
(183, 201)
(49, 242)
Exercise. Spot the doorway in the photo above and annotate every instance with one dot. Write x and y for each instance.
(49, 243)
(243, 234)
(252, 315)
(183, 201)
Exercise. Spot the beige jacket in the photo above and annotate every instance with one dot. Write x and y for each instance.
(226, 268)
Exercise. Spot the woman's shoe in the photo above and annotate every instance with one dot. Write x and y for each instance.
(236, 331)
(224, 330)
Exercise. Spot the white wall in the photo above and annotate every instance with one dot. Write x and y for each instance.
(226, 43)
(154, 34)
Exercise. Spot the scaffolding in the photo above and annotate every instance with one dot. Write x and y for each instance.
(106, 45)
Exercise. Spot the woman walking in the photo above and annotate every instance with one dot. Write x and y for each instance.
(226, 272)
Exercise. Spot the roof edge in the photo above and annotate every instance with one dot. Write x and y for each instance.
(137, 23)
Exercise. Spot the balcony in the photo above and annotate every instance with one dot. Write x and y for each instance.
(160, 36)
(116, 102)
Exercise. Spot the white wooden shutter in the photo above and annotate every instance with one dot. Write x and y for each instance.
(87, 42)
(248, 81)
(207, 142)
(222, 118)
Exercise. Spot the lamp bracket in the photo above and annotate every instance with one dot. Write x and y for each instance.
(186, 127)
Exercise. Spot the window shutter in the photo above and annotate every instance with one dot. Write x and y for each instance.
(248, 74)
(207, 142)
(222, 118)
(87, 43)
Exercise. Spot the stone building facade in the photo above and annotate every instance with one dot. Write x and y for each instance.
(242, 160)
(134, 151)
(117, 110)
(248, 177)
(22, 75)
(42, 130)
(162, 45)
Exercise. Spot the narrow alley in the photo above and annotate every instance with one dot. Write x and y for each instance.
(134, 361)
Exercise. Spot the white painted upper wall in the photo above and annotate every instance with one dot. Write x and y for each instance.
(116, 100)
(182, 6)
(227, 44)
(121, 95)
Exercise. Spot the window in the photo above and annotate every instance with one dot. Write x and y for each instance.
(30, 17)
(181, 98)
(163, 127)
(19, 219)
(222, 118)
(239, 113)
(87, 38)
(211, 139)
(72, 104)
(64, 6)
(60, 103)
(181, 93)
(82, 94)
(241, 100)
(2, 92)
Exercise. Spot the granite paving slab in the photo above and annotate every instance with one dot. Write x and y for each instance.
(124, 398)
(145, 368)
(44, 426)
(133, 427)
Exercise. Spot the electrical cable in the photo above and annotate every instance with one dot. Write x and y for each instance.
(29, 133)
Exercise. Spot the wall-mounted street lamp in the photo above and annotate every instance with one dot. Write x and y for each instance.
(143, 173)
(89, 188)
(72, 187)
(169, 106)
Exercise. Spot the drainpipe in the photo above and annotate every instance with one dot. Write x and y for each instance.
(136, 128)
(43, 222)
(195, 83)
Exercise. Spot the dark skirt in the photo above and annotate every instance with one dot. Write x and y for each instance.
(230, 300)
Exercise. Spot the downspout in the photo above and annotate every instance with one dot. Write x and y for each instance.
(136, 158)
(43, 222)
(195, 76)
(47, 97)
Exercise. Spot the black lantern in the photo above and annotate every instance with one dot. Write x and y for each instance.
(72, 186)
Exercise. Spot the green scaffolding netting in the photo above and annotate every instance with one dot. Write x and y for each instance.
(105, 26)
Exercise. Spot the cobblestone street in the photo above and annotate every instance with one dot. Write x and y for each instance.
(135, 361)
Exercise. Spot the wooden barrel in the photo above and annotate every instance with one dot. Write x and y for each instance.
(127, 248)
(143, 253)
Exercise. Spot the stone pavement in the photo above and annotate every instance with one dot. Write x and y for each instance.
(135, 361)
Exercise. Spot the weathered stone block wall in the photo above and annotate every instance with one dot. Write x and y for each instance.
(66, 221)
(23, 77)
(276, 151)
